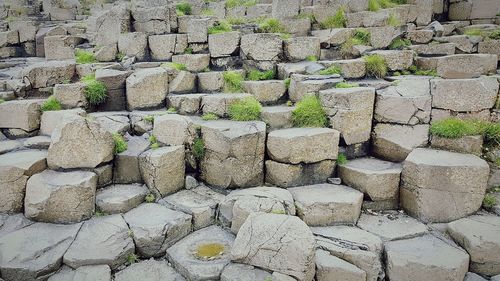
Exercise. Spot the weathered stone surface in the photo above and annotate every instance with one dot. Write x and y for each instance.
(223, 44)
(183, 257)
(120, 198)
(147, 88)
(420, 36)
(276, 242)
(133, 44)
(477, 234)
(61, 47)
(48, 73)
(465, 144)
(155, 228)
(395, 142)
(84, 273)
(15, 169)
(163, 46)
(302, 85)
(353, 245)
(425, 258)
(407, 102)
(186, 104)
(79, 143)
(193, 62)
(234, 153)
(243, 272)
(329, 267)
(334, 36)
(376, 178)
(261, 46)
(382, 36)
(441, 49)
(174, 129)
(489, 47)
(470, 276)
(353, 68)
(53, 119)
(106, 27)
(350, 111)
(303, 145)
(20, 114)
(327, 204)
(212, 81)
(149, 270)
(464, 94)
(10, 145)
(277, 117)
(466, 66)
(441, 186)
(197, 29)
(163, 169)
(151, 20)
(392, 226)
(71, 95)
(103, 240)
(184, 82)
(300, 48)
(396, 59)
(219, 103)
(60, 197)
(266, 92)
(239, 204)
(106, 53)
(21, 257)
(289, 175)
(126, 164)
(11, 223)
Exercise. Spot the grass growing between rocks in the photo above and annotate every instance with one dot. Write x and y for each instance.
(256, 75)
(287, 82)
(240, 3)
(149, 118)
(95, 91)
(333, 69)
(309, 113)
(209, 116)
(416, 71)
(183, 8)
(272, 26)
(153, 142)
(393, 20)
(247, 109)
(338, 20)
(51, 104)
(361, 37)
(120, 143)
(150, 198)
(341, 159)
(232, 82)
(399, 43)
(375, 65)
(343, 85)
(174, 65)
(198, 148)
(456, 128)
(84, 57)
(311, 58)
(221, 27)
(375, 5)
(489, 201)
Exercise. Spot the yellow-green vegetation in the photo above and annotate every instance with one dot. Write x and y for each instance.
(240, 3)
(289, 103)
(172, 110)
(120, 56)
(149, 118)
(474, 32)
(309, 16)
(95, 91)
(84, 57)
(278, 212)
(150, 198)
(198, 148)
(120, 143)
(247, 109)
(272, 26)
(332, 69)
(486, 34)
(2, 101)
(456, 128)
(489, 201)
(341, 159)
(309, 113)
(153, 142)
(174, 65)
(311, 58)
(51, 104)
(183, 8)
(415, 70)
(375, 65)
(209, 250)
(287, 82)
(399, 43)
(343, 85)
(188, 51)
(338, 20)
(221, 27)
(132, 258)
(375, 5)
(361, 37)
(495, 34)
(209, 116)
(98, 214)
(207, 12)
(393, 20)
(232, 81)
(235, 20)
(256, 75)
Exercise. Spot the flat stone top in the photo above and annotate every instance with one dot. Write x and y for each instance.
(392, 227)
(408, 88)
(325, 193)
(261, 191)
(23, 159)
(300, 132)
(118, 192)
(188, 199)
(21, 102)
(433, 157)
(353, 90)
(351, 234)
(152, 214)
(477, 229)
(277, 109)
(373, 165)
(164, 150)
(233, 129)
(54, 178)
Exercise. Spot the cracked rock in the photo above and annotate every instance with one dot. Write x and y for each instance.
(149, 270)
(84, 273)
(120, 198)
(392, 226)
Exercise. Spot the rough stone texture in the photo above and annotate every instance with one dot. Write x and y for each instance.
(300, 48)
(79, 143)
(303, 145)
(489, 47)
(11, 223)
(60, 197)
(149, 270)
(20, 114)
(243, 272)
(133, 44)
(184, 82)
(420, 36)
(48, 73)
(186, 104)
(352, 68)
(84, 273)
(329, 267)
(126, 164)
(223, 44)
(466, 66)
(120, 198)
(163, 46)
(155, 228)
(395, 142)
(441, 186)
(61, 47)
(53, 119)
(15, 169)
(266, 92)
(302, 85)
(288, 175)
(464, 94)
(425, 259)
(276, 242)
(147, 88)
(174, 129)
(71, 95)
(327, 204)
(219, 104)
(277, 117)
(392, 226)
(186, 263)
(21, 257)
(103, 240)
(477, 234)
(376, 178)
(465, 144)
(408, 102)
(239, 204)
(469, 276)
(350, 111)
(113, 122)
(163, 169)
(396, 59)
(234, 153)
(353, 245)
(195, 62)
(261, 46)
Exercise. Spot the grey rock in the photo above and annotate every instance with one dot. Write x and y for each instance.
(133, 44)
(20, 114)
(243, 272)
(466, 65)
(147, 88)
(223, 44)
(329, 267)
(84, 273)
(11, 223)
(394, 142)
(288, 175)
(120, 198)
(53, 119)
(149, 270)
(126, 164)
(261, 46)
(193, 62)
(392, 226)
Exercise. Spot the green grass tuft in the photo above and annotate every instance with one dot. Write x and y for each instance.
(474, 32)
(198, 148)
(309, 113)
(188, 51)
(95, 91)
(51, 104)
(235, 20)
(489, 201)
(457, 128)
(149, 118)
(311, 58)
(361, 37)
(240, 3)
(375, 65)
(183, 8)
(272, 26)
(495, 34)
(289, 103)
(120, 143)
(384, 4)
(209, 116)
(333, 69)
(2, 101)
(341, 159)
(256, 75)
(343, 85)
(84, 57)
(120, 56)
(393, 20)
(221, 27)
(373, 5)
(399, 43)
(287, 83)
(246, 109)
(150, 198)
(338, 20)
(172, 110)
(174, 65)
(232, 82)
(153, 142)
(132, 258)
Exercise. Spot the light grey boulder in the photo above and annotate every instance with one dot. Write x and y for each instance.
(394, 142)
(113, 79)
(151, 20)
(48, 73)
(148, 270)
(261, 46)
(147, 88)
(10, 145)
(301, 48)
(120, 198)
(212, 81)
(441, 49)
(84, 273)
(197, 29)
(465, 144)
(61, 47)
(283, 9)
(11, 223)
(223, 44)
(163, 46)
(277, 117)
(21, 259)
(329, 267)
(266, 92)
(470, 276)
(133, 44)
(174, 129)
(392, 226)
(53, 119)
(186, 104)
(289, 175)
(155, 228)
(113, 122)
(193, 62)
(183, 82)
(303, 85)
(105, 27)
(290, 241)
(60, 197)
(466, 65)
(103, 240)
(20, 114)
(396, 59)
(243, 272)
(126, 164)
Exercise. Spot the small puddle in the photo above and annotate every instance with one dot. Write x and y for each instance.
(209, 251)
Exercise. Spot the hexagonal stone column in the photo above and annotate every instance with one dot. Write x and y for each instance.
(441, 186)
(20, 114)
